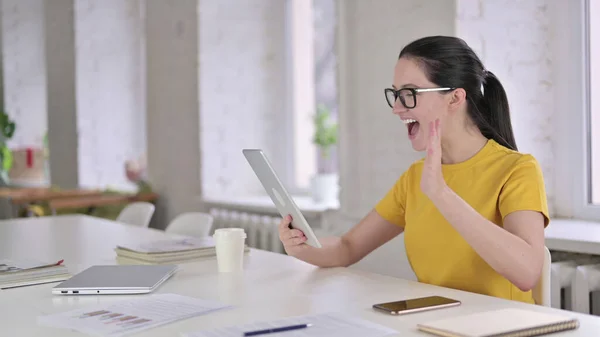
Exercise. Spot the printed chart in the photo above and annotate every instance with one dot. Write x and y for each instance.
(125, 317)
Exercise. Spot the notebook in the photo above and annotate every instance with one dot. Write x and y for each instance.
(19, 273)
(500, 323)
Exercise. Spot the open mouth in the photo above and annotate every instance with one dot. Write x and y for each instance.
(412, 125)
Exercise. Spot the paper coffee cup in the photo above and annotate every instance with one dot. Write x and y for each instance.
(229, 244)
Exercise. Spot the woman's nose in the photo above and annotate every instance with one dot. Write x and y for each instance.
(398, 108)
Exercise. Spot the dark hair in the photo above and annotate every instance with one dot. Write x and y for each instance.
(449, 62)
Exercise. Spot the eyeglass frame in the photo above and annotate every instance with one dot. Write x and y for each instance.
(414, 92)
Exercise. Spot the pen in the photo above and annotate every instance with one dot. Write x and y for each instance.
(273, 330)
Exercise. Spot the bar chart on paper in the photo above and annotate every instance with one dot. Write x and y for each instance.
(125, 317)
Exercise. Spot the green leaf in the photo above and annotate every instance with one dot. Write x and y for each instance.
(10, 130)
(7, 126)
(7, 158)
(325, 130)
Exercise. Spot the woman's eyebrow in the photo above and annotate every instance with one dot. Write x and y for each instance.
(408, 85)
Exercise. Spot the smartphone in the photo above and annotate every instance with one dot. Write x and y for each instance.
(416, 305)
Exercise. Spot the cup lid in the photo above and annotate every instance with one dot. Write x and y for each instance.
(230, 232)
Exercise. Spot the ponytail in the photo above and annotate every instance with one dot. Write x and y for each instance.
(449, 62)
(497, 112)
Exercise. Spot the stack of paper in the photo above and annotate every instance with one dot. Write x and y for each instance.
(167, 251)
(319, 325)
(126, 317)
(18, 273)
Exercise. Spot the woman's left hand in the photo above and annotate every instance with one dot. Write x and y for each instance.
(432, 179)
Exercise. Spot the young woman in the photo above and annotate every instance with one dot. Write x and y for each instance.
(473, 211)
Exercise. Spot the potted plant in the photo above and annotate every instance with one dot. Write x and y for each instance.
(324, 185)
(136, 172)
(7, 129)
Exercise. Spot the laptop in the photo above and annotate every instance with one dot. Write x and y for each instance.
(279, 195)
(116, 279)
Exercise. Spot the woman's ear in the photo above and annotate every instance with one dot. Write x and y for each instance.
(457, 99)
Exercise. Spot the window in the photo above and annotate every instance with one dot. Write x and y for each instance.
(312, 83)
(267, 101)
(577, 115)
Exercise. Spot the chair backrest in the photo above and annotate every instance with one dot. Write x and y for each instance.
(541, 292)
(137, 214)
(196, 224)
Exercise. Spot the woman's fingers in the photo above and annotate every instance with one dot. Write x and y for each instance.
(290, 237)
(294, 233)
(284, 224)
(296, 241)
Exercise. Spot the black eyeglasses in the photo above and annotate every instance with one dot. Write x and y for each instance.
(407, 96)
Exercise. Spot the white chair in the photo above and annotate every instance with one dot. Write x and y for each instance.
(137, 214)
(196, 224)
(541, 292)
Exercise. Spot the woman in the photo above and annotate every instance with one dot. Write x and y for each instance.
(474, 209)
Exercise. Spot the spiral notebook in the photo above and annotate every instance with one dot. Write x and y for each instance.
(501, 323)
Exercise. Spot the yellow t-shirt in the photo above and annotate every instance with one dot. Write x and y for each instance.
(495, 182)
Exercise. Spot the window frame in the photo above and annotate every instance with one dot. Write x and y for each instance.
(572, 192)
(293, 116)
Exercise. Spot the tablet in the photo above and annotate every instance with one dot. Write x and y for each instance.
(283, 202)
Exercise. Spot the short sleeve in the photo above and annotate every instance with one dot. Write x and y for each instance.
(393, 204)
(524, 190)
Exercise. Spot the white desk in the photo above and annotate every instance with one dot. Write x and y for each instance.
(272, 286)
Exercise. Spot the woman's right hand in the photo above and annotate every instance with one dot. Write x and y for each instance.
(372, 232)
(293, 239)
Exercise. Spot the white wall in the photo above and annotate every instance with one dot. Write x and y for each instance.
(24, 70)
(98, 117)
(110, 93)
(242, 90)
(515, 40)
(172, 124)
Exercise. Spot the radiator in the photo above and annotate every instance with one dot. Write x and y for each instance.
(261, 230)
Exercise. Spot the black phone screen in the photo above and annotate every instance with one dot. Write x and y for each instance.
(416, 303)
